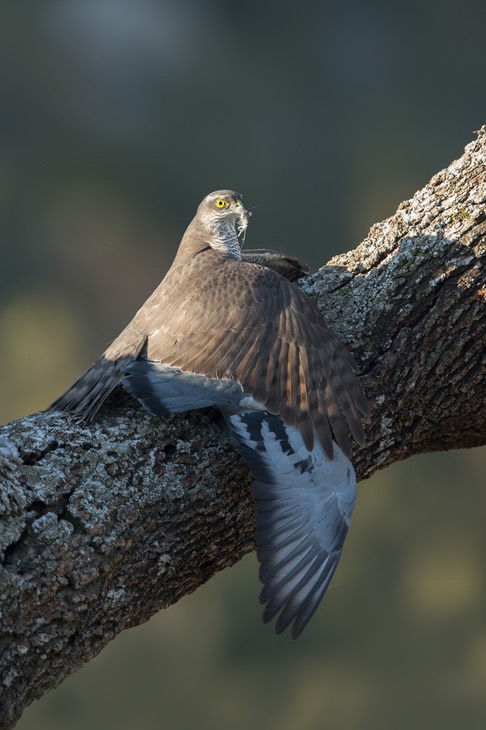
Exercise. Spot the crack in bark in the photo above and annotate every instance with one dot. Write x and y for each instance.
(30, 458)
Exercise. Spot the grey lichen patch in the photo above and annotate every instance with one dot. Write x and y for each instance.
(49, 530)
(116, 595)
(165, 568)
(12, 514)
(406, 259)
(9, 456)
(106, 500)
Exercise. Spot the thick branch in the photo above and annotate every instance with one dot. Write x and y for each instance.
(103, 525)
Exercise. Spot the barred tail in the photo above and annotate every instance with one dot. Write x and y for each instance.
(86, 396)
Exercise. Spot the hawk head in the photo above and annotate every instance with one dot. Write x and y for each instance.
(223, 210)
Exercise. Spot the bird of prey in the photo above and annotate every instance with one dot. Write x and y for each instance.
(225, 332)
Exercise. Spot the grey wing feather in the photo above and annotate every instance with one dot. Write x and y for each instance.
(304, 503)
(163, 389)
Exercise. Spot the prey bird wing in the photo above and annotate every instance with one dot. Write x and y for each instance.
(290, 267)
(304, 503)
(225, 332)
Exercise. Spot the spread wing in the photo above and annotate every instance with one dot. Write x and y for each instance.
(242, 321)
(304, 504)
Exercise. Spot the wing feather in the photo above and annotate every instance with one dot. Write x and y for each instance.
(304, 502)
(243, 321)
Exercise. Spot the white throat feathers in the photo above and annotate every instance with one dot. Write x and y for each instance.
(224, 238)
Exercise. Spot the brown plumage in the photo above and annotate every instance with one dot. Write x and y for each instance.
(218, 316)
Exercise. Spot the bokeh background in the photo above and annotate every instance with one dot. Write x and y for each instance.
(116, 118)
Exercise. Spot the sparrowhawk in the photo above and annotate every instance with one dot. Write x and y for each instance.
(226, 332)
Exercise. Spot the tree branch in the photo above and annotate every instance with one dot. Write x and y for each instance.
(103, 525)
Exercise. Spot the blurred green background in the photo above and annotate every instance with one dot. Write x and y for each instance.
(116, 118)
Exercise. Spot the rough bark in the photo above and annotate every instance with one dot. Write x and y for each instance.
(103, 525)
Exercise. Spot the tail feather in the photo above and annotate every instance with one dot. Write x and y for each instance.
(85, 396)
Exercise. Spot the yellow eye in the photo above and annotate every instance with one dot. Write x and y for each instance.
(220, 203)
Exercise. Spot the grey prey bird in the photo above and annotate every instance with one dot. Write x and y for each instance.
(224, 332)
